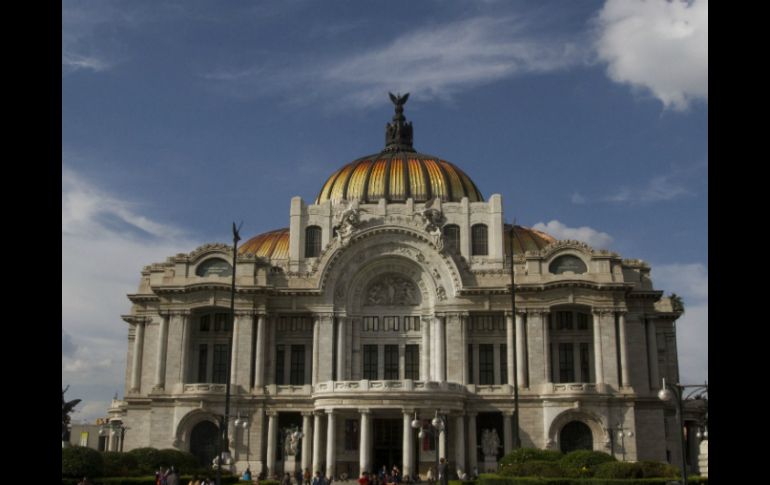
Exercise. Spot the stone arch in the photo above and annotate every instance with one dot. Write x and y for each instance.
(186, 425)
(441, 274)
(592, 420)
(383, 268)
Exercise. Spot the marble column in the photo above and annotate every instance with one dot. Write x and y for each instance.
(473, 462)
(407, 444)
(237, 323)
(341, 351)
(440, 349)
(546, 346)
(307, 431)
(652, 354)
(184, 367)
(442, 443)
(364, 450)
(316, 328)
(509, 329)
(425, 361)
(160, 364)
(521, 351)
(598, 363)
(259, 357)
(625, 376)
(272, 436)
(507, 432)
(331, 442)
(136, 364)
(318, 416)
(459, 433)
(464, 347)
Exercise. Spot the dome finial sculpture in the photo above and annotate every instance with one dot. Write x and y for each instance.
(398, 134)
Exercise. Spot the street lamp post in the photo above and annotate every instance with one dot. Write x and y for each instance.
(620, 433)
(438, 424)
(675, 392)
(223, 457)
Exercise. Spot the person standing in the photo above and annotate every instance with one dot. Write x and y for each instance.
(443, 478)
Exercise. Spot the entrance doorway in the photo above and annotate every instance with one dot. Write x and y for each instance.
(576, 436)
(388, 442)
(204, 440)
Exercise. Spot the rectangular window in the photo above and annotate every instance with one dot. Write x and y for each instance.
(486, 364)
(412, 362)
(203, 365)
(371, 324)
(370, 362)
(479, 245)
(563, 320)
(503, 364)
(219, 369)
(351, 434)
(279, 364)
(102, 446)
(428, 441)
(452, 238)
(297, 371)
(390, 323)
(470, 364)
(487, 322)
(566, 363)
(585, 367)
(412, 324)
(84, 438)
(582, 321)
(391, 362)
(205, 323)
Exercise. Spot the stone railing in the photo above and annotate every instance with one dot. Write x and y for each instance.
(387, 386)
(205, 388)
(490, 390)
(575, 387)
(289, 390)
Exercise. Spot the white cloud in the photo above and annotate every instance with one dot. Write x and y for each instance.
(578, 199)
(657, 45)
(105, 244)
(592, 237)
(659, 189)
(434, 62)
(87, 412)
(690, 281)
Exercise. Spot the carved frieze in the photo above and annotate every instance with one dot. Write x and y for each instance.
(392, 289)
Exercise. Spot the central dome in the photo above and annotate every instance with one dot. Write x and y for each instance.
(399, 172)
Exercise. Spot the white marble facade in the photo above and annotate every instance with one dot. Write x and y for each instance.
(389, 322)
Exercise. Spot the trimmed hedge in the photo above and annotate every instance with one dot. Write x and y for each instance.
(619, 469)
(117, 464)
(583, 463)
(183, 461)
(150, 480)
(533, 468)
(80, 461)
(653, 469)
(523, 455)
(497, 480)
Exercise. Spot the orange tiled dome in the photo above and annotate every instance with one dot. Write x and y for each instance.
(271, 245)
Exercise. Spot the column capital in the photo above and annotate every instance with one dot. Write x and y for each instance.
(508, 412)
(409, 411)
(271, 412)
(538, 311)
(603, 311)
(330, 412)
(471, 414)
(245, 313)
(308, 413)
(364, 410)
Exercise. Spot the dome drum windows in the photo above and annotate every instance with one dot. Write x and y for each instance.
(452, 238)
(312, 242)
(479, 240)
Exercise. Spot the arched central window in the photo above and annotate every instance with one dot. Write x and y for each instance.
(575, 436)
(312, 242)
(479, 240)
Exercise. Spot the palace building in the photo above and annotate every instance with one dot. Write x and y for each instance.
(387, 300)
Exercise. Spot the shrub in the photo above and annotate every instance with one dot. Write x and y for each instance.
(618, 469)
(117, 464)
(79, 461)
(183, 461)
(533, 468)
(148, 460)
(523, 455)
(654, 469)
(582, 463)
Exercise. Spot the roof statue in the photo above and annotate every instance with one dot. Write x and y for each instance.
(398, 134)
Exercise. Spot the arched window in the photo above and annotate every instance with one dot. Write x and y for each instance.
(479, 241)
(575, 436)
(214, 267)
(452, 237)
(567, 264)
(312, 242)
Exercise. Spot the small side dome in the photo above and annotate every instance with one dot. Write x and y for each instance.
(271, 245)
(526, 239)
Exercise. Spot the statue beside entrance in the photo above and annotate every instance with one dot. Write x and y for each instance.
(490, 444)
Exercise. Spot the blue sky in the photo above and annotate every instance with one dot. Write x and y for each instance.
(590, 118)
